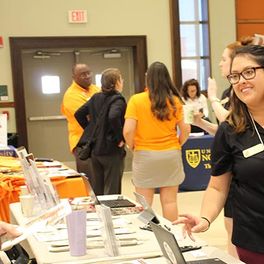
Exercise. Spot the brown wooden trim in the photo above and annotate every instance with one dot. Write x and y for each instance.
(250, 21)
(18, 44)
(7, 104)
(206, 39)
(175, 43)
(236, 8)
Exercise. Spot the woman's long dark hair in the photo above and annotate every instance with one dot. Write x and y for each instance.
(239, 117)
(161, 91)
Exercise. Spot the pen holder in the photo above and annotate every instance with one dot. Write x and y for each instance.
(76, 227)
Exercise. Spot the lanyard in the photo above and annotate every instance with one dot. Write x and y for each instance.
(254, 124)
(254, 149)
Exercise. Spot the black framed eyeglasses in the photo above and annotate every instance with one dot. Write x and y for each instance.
(247, 74)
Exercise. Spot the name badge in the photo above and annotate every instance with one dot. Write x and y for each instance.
(253, 150)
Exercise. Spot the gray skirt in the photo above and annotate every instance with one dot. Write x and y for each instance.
(153, 169)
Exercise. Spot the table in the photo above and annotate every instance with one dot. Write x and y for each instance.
(196, 156)
(149, 247)
(10, 190)
(67, 181)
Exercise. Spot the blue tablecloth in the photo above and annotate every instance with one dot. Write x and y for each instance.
(196, 155)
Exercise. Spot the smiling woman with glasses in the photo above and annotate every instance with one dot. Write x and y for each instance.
(247, 74)
(238, 153)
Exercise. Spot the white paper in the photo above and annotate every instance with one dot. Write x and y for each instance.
(3, 130)
(50, 217)
(108, 232)
(39, 186)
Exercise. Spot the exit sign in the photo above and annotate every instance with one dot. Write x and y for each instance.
(1, 42)
(77, 16)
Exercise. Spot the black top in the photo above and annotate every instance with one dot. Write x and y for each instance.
(248, 177)
(110, 131)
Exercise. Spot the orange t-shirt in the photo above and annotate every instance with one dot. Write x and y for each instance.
(151, 133)
(73, 99)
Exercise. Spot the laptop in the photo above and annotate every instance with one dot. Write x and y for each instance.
(148, 214)
(117, 203)
(171, 250)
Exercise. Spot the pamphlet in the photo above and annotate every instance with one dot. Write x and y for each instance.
(50, 217)
(108, 233)
(39, 185)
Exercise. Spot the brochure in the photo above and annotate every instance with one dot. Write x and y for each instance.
(50, 217)
(108, 233)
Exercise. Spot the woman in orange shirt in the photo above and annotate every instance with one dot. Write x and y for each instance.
(155, 131)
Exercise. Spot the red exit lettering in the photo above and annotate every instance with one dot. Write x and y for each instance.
(77, 16)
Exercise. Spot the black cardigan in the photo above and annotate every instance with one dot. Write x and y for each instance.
(110, 131)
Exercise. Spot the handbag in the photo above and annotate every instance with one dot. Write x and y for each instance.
(84, 152)
(18, 255)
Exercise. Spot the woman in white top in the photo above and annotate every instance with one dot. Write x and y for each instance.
(192, 95)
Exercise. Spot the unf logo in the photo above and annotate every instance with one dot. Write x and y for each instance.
(193, 157)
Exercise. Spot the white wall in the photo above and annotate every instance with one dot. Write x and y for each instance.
(105, 17)
(222, 32)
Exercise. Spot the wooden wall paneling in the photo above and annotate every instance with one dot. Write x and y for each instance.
(249, 10)
(249, 29)
(249, 17)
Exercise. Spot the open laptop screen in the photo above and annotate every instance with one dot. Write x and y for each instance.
(148, 214)
(171, 250)
(116, 203)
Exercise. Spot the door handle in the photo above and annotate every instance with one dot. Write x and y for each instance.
(46, 118)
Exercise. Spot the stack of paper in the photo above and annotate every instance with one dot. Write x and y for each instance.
(108, 234)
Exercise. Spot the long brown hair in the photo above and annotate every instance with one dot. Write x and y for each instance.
(161, 91)
(243, 41)
(239, 117)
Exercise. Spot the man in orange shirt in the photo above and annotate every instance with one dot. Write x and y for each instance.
(80, 91)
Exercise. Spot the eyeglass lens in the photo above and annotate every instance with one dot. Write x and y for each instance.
(247, 74)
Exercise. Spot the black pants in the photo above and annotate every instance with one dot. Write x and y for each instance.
(196, 129)
(108, 171)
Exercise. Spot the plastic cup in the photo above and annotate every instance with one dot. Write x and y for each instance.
(27, 204)
(23, 190)
(188, 112)
(76, 227)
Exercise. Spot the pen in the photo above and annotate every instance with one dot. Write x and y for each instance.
(168, 228)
